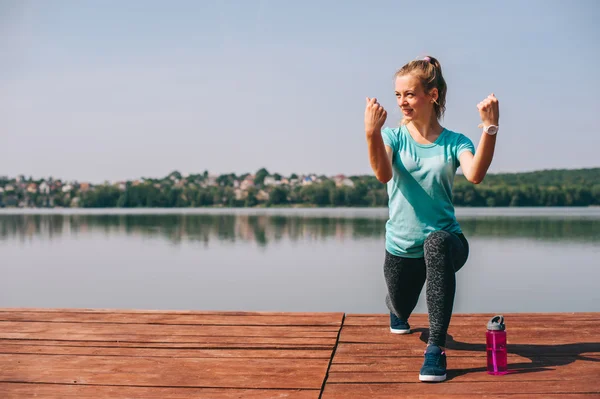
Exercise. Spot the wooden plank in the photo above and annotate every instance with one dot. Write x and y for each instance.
(420, 321)
(164, 372)
(170, 345)
(573, 372)
(480, 314)
(74, 391)
(117, 311)
(541, 336)
(486, 396)
(393, 364)
(348, 351)
(178, 318)
(301, 342)
(179, 330)
(454, 390)
(24, 347)
(512, 357)
(485, 316)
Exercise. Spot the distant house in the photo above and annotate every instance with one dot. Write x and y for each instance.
(269, 181)
(84, 187)
(247, 183)
(262, 195)
(67, 188)
(44, 188)
(347, 182)
(341, 180)
(338, 179)
(32, 188)
(8, 188)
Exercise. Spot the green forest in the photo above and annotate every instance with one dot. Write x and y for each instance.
(575, 187)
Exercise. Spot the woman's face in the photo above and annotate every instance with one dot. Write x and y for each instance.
(414, 103)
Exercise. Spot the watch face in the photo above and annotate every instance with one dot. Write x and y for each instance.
(492, 130)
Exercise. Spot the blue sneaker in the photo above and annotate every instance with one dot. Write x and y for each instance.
(434, 367)
(398, 326)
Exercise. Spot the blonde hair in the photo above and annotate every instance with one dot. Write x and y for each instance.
(429, 72)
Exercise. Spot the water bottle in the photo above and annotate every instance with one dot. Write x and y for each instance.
(495, 338)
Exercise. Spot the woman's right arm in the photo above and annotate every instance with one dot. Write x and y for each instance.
(380, 155)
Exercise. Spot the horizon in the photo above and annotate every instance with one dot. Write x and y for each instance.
(271, 173)
(98, 91)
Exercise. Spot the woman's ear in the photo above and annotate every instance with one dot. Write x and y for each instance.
(434, 94)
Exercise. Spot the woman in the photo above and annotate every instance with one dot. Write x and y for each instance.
(418, 161)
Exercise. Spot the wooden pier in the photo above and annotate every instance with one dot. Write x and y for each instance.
(109, 353)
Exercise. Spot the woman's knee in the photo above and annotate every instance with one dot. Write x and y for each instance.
(437, 241)
(441, 245)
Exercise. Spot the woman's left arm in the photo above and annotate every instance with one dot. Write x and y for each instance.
(475, 167)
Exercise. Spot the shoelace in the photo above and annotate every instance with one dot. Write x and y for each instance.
(432, 359)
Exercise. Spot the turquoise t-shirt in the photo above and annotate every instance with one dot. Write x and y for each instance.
(420, 191)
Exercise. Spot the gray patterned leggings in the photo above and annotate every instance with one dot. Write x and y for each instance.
(445, 254)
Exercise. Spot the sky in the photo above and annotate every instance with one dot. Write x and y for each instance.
(119, 90)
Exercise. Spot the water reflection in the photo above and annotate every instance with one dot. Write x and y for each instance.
(265, 229)
(546, 229)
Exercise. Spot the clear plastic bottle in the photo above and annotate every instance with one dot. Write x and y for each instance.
(495, 338)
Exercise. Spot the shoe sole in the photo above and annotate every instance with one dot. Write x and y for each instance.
(397, 331)
(432, 378)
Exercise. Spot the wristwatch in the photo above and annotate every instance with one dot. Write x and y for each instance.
(491, 129)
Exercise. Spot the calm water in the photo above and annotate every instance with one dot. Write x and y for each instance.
(285, 259)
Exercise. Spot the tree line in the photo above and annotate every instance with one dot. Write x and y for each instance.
(579, 187)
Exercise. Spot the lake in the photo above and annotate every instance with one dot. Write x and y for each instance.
(522, 259)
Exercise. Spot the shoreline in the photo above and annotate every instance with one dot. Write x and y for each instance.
(377, 212)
